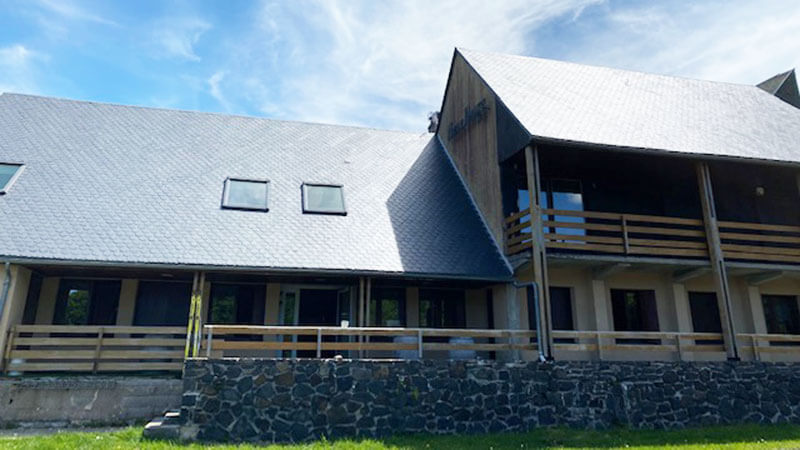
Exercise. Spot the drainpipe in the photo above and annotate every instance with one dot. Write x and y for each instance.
(4, 292)
(535, 288)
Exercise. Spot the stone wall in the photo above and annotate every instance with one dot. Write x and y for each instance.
(296, 400)
(85, 400)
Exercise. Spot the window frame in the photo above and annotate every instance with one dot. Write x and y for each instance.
(20, 167)
(226, 190)
(304, 195)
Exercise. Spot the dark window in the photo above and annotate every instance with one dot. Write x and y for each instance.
(781, 314)
(323, 199)
(634, 310)
(442, 308)
(705, 315)
(387, 307)
(87, 302)
(561, 308)
(245, 194)
(8, 173)
(162, 303)
(236, 304)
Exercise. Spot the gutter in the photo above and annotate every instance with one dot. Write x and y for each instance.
(255, 269)
(534, 287)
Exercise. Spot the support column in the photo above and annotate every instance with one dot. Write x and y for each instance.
(13, 296)
(683, 314)
(538, 253)
(717, 260)
(272, 304)
(412, 307)
(759, 321)
(602, 316)
(47, 301)
(127, 301)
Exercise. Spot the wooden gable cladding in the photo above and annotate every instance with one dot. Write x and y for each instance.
(468, 130)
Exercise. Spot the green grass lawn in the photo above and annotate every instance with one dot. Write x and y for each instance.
(729, 437)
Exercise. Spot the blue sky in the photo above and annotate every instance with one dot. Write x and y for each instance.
(372, 63)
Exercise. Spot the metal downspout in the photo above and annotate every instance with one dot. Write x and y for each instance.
(535, 289)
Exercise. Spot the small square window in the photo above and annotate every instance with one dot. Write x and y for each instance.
(323, 199)
(8, 173)
(245, 194)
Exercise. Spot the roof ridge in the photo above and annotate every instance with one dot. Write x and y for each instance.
(596, 66)
(211, 113)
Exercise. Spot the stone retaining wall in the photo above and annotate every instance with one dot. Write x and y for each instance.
(296, 400)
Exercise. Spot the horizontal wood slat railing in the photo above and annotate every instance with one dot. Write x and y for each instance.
(610, 345)
(646, 235)
(760, 242)
(610, 233)
(89, 348)
(402, 343)
(776, 344)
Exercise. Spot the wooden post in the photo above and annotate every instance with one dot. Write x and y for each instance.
(208, 344)
(538, 253)
(419, 342)
(625, 234)
(198, 327)
(319, 342)
(361, 296)
(717, 260)
(190, 325)
(9, 346)
(97, 349)
(601, 314)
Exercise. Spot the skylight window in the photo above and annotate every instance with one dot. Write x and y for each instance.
(323, 199)
(243, 193)
(8, 174)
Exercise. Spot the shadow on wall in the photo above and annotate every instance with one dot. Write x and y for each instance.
(436, 227)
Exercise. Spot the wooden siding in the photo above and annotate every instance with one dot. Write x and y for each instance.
(474, 150)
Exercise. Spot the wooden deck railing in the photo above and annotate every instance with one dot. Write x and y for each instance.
(610, 345)
(610, 233)
(773, 344)
(760, 242)
(82, 348)
(403, 343)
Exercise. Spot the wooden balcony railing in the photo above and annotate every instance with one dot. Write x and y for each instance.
(81, 348)
(610, 345)
(610, 233)
(401, 343)
(760, 242)
(773, 344)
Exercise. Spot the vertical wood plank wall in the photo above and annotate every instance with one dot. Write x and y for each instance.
(474, 150)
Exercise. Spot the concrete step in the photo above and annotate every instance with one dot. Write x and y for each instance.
(164, 428)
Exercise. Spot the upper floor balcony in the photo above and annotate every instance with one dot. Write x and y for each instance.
(597, 204)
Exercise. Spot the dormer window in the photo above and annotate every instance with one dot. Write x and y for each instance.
(242, 193)
(8, 174)
(323, 199)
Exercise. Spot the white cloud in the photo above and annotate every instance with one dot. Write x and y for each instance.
(70, 10)
(215, 89)
(18, 69)
(740, 42)
(177, 37)
(376, 63)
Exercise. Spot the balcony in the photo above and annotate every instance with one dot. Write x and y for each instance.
(603, 233)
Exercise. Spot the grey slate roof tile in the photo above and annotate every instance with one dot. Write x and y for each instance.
(616, 108)
(121, 184)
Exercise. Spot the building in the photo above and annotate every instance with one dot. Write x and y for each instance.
(559, 211)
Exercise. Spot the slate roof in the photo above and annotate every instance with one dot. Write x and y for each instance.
(560, 101)
(131, 185)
